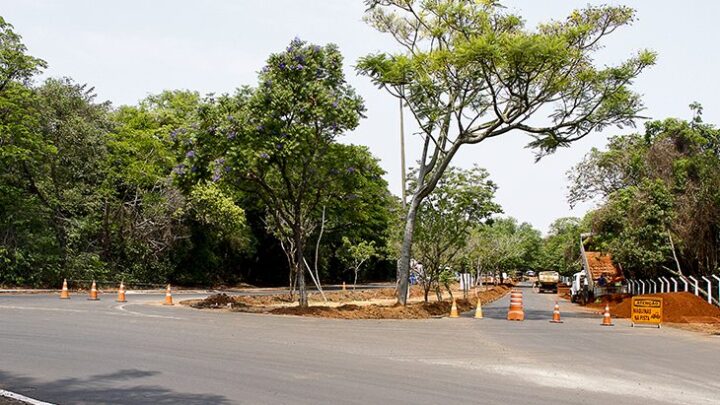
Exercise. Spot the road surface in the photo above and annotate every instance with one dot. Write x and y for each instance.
(84, 352)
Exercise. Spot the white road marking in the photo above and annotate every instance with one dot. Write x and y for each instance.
(122, 308)
(84, 311)
(125, 312)
(12, 395)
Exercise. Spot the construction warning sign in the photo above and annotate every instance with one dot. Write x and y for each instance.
(647, 310)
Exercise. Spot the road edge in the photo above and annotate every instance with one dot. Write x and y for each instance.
(22, 398)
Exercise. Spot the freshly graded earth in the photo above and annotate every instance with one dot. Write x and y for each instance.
(367, 304)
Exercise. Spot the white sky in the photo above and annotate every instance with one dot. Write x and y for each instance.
(129, 49)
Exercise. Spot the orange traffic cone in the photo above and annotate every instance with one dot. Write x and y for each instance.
(93, 293)
(454, 310)
(168, 296)
(64, 294)
(516, 312)
(478, 310)
(556, 314)
(607, 321)
(121, 293)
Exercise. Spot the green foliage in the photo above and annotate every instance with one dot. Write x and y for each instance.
(211, 207)
(469, 71)
(354, 255)
(182, 188)
(462, 200)
(633, 225)
(657, 186)
(473, 58)
(274, 147)
(561, 248)
(504, 245)
(16, 66)
(54, 158)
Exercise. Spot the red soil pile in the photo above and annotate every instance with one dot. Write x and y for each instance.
(681, 307)
(349, 310)
(332, 296)
(602, 264)
(419, 310)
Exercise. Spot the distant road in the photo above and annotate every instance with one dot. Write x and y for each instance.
(83, 352)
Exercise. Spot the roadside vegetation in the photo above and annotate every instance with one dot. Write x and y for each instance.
(254, 185)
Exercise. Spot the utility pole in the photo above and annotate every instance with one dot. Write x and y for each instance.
(402, 150)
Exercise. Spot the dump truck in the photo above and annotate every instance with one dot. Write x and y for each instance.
(598, 277)
(548, 281)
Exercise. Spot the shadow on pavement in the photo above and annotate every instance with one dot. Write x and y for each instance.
(94, 390)
(536, 314)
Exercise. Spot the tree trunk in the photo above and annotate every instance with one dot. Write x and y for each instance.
(299, 268)
(403, 269)
(315, 280)
(106, 231)
(672, 245)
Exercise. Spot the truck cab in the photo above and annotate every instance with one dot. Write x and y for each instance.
(579, 290)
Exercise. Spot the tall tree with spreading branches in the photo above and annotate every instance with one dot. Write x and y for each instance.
(278, 142)
(470, 71)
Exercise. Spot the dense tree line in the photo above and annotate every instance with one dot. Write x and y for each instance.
(184, 188)
(660, 198)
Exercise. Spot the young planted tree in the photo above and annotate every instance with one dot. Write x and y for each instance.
(462, 199)
(469, 71)
(356, 254)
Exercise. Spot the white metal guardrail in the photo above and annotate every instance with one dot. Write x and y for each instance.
(691, 284)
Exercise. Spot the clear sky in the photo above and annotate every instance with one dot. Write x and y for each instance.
(131, 48)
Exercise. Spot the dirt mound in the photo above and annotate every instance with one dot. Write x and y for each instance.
(602, 264)
(218, 301)
(418, 310)
(336, 297)
(375, 311)
(682, 307)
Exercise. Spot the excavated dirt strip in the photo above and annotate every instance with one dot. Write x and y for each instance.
(368, 304)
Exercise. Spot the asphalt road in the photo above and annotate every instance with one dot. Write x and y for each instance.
(83, 352)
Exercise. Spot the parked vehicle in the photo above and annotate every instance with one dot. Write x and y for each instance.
(579, 291)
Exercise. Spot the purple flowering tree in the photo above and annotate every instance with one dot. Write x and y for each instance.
(280, 144)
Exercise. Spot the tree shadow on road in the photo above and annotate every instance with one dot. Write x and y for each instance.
(97, 390)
